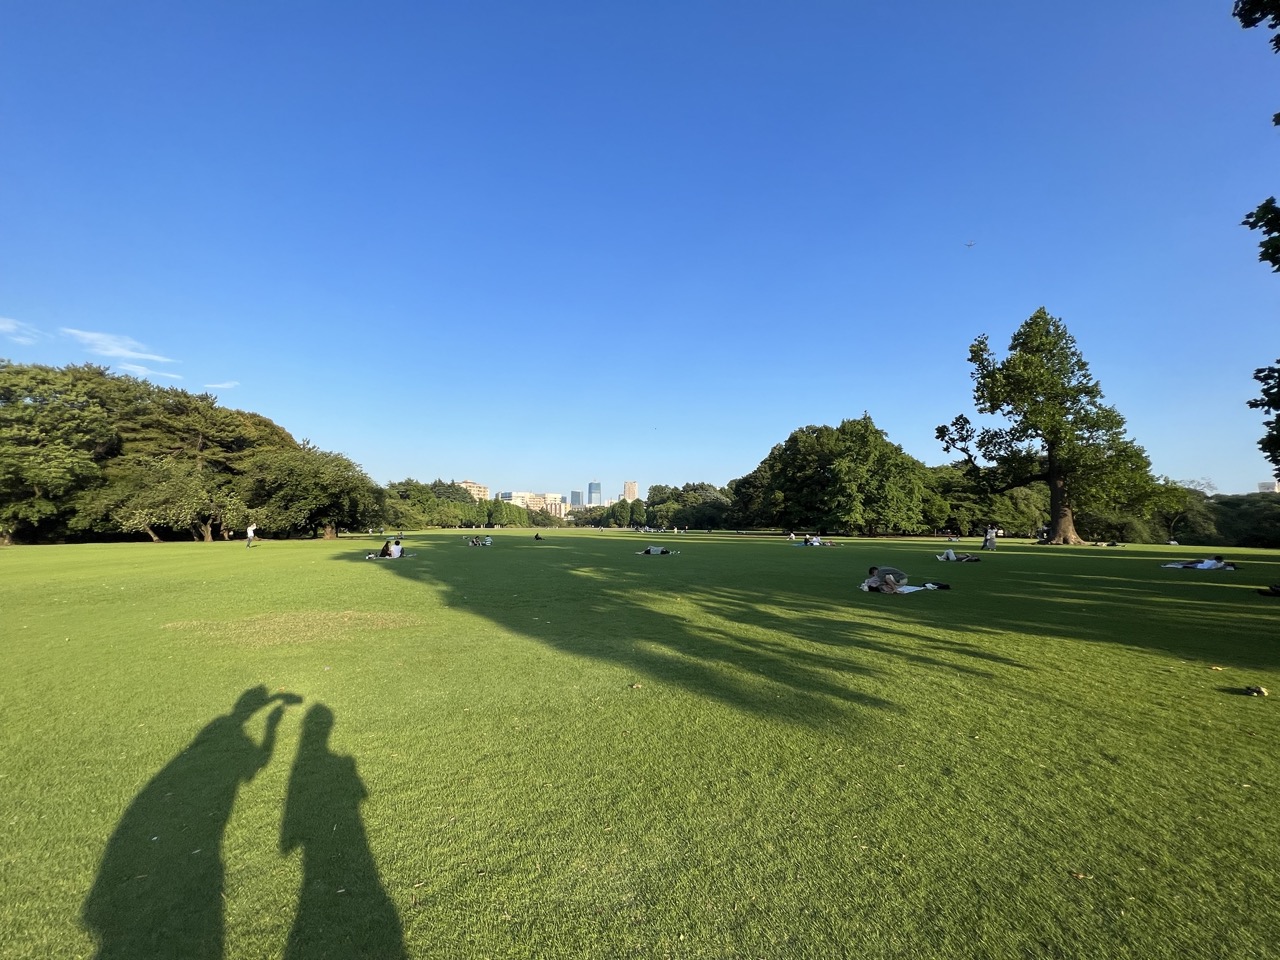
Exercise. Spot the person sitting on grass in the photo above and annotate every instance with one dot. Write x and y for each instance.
(885, 579)
(397, 551)
(385, 552)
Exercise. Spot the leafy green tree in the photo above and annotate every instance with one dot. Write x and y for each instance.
(967, 504)
(1059, 433)
(54, 437)
(1266, 217)
(619, 514)
(754, 499)
(1183, 511)
(848, 477)
(308, 490)
(504, 514)
(544, 518)
(1021, 511)
(1249, 520)
(639, 513)
(589, 516)
(1269, 402)
(664, 514)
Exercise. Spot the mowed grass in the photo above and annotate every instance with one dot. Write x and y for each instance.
(562, 749)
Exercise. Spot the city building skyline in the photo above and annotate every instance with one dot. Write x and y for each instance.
(594, 498)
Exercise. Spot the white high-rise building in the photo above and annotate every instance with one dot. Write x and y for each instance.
(630, 490)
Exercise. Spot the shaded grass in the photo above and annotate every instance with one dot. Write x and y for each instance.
(573, 751)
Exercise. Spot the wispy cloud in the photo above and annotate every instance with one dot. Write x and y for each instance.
(140, 371)
(222, 386)
(19, 332)
(114, 345)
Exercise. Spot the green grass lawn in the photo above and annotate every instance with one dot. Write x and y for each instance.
(564, 750)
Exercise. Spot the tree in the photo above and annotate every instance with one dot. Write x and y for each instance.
(1266, 217)
(848, 477)
(619, 513)
(1249, 520)
(1269, 402)
(1183, 510)
(54, 436)
(1059, 432)
(309, 490)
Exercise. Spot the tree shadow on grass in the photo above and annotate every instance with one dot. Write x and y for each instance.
(794, 651)
(159, 888)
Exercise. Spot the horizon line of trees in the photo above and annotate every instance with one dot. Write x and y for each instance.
(86, 454)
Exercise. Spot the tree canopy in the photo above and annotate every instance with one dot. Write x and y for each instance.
(1059, 431)
(847, 478)
(84, 452)
(1269, 402)
(1266, 217)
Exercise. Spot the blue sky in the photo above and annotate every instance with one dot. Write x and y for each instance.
(536, 245)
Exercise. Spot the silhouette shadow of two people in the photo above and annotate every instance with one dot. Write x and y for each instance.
(159, 888)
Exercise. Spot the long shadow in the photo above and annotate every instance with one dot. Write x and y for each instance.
(789, 648)
(159, 888)
(344, 912)
(1078, 595)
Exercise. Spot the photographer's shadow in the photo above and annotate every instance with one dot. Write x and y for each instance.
(159, 888)
(343, 909)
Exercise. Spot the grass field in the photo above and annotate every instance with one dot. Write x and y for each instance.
(564, 750)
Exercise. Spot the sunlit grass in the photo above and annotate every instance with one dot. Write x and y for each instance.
(573, 751)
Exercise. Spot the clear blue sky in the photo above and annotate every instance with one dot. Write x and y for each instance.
(539, 244)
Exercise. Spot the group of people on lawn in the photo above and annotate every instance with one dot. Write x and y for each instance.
(389, 551)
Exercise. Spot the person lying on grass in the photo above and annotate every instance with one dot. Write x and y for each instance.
(1216, 563)
(954, 557)
(653, 551)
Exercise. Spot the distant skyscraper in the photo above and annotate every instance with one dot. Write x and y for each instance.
(593, 494)
(630, 490)
(575, 498)
(1270, 486)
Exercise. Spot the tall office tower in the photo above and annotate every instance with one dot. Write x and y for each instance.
(575, 498)
(593, 494)
(630, 490)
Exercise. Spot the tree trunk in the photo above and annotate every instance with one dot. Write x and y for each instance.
(204, 530)
(330, 532)
(1062, 525)
(146, 528)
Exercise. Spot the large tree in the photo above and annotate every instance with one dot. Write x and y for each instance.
(1266, 217)
(55, 435)
(1059, 431)
(848, 478)
(305, 489)
(1269, 402)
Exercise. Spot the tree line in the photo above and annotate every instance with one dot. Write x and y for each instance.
(88, 454)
